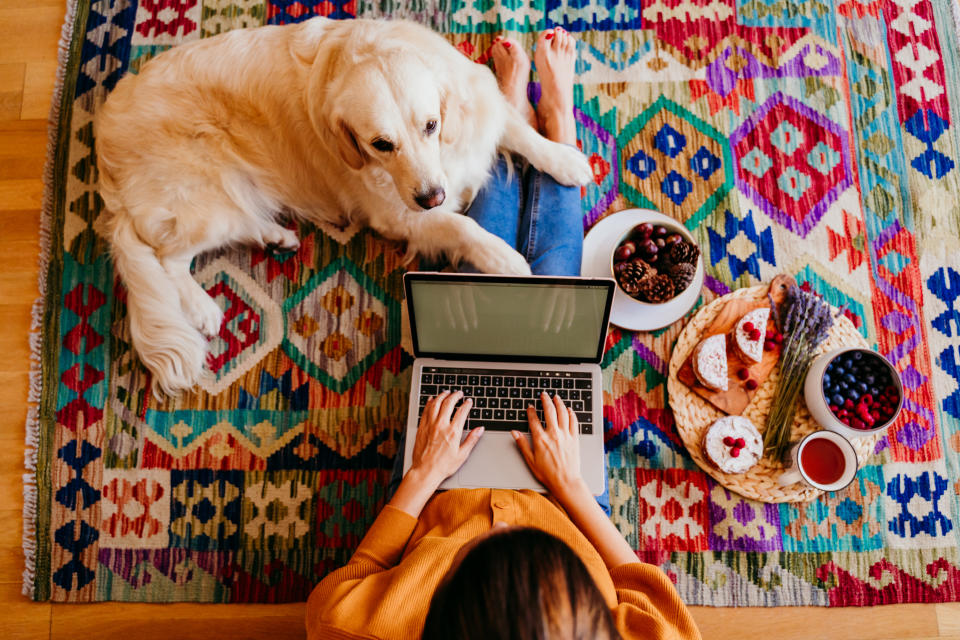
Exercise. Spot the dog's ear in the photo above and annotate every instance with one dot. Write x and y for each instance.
(452, 115)
(347, 145)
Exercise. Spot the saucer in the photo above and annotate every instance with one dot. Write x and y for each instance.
(626, 312)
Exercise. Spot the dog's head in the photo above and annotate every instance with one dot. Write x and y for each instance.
(389, 110)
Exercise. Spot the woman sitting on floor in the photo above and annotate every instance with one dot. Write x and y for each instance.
(490, 563)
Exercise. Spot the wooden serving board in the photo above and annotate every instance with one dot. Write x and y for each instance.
(736, 398)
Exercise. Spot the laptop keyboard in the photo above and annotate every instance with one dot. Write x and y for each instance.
(500, 396)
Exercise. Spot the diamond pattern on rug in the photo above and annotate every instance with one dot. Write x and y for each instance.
(817, 138)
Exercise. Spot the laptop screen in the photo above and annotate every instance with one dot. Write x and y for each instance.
(472, 316)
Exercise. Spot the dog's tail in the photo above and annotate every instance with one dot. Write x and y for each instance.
(170, 347)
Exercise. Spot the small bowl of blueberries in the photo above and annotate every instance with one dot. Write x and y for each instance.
(854, 392)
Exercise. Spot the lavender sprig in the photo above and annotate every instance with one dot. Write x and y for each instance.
(807, 320)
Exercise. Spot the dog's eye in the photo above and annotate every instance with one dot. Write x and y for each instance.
(431, 126)
(382, 145)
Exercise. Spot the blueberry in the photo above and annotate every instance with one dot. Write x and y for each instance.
(837, 399)
(862, 387)
(857, 355)
(826, 379)
(853, 394)
(869, 379)
(874, 391)
(842, 385)
(850, 379)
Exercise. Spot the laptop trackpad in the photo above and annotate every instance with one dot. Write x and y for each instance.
(497, 462)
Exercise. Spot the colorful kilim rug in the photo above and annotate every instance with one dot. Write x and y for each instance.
(816, 137)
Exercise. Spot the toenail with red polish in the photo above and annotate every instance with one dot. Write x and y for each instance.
(549, 35)
(506, 45)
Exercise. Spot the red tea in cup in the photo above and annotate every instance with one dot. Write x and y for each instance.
(823, 461)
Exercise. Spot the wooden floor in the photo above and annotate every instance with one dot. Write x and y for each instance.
(27, 69)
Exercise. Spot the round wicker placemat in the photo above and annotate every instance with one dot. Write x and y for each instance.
(694, 415)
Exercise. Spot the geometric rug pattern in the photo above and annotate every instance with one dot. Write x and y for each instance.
(814, 137)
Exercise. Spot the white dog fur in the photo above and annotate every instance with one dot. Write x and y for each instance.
(211, 140)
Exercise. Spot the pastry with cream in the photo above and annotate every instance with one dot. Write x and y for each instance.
(733, 444)
(710, 362)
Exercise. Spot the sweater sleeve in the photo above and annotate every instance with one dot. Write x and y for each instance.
(649, 606)
(379, 551)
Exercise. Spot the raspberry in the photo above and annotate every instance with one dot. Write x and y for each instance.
(743, 374)
(778, 338)
(748, 327)
(741, 443)
(848, 404)
(735, 452)
(751, 384)
(769, 345)
(728, 441)
(834, 408)
(755, 334)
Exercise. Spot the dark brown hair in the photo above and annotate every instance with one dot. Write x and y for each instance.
(522, 584)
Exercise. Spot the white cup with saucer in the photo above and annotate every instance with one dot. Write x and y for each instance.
(822, 460)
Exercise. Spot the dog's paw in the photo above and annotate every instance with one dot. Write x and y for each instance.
(205, 315)
(568, 166)
(281, 238)
(496, 257)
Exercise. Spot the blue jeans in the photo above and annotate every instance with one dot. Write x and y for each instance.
(542, 220)
(535, 215)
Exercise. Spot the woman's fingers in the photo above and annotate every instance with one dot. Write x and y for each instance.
(460, 417)
(446, 407)
(536, 429)
(433, 405)
(471, 441)
(549, 410)
(524, 447)
(573, 422)
(563, 419)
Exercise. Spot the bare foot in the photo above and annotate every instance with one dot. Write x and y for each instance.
(512, 68)
(556, 57)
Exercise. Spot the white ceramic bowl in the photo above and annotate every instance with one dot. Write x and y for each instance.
(673, 227)
(629, 313)
(819, 406)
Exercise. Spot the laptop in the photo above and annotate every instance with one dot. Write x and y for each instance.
(502, 340)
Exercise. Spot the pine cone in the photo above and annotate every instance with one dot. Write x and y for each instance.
(682, 275)
(632, 273)
(656, 289)
(684, 252)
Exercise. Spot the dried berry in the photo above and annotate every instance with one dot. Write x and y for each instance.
(684, 252)
(656, 289)
(682, 275)
(624, 251)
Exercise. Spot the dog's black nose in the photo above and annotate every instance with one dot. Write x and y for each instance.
(432, 198)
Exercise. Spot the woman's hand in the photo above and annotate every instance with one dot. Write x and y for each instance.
(437, 451)
(554, 456)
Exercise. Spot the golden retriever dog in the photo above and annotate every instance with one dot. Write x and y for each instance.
(360, 121)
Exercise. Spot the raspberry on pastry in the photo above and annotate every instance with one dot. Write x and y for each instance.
(750, 334)
(733, 444)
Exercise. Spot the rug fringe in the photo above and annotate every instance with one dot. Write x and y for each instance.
(32, 440)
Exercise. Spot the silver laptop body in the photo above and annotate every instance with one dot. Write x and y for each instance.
(503, 339)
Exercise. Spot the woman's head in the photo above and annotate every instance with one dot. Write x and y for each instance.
(519, 583)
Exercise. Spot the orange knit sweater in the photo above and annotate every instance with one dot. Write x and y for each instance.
(385, 589)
